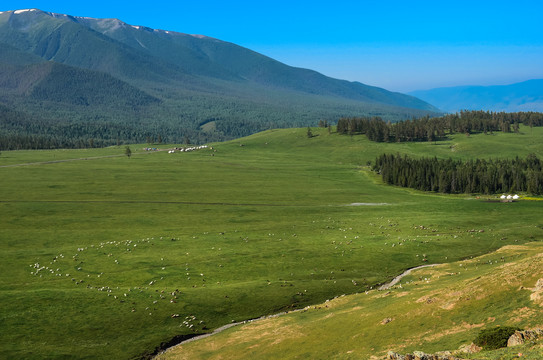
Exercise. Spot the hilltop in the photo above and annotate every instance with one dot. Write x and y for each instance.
(113, 82)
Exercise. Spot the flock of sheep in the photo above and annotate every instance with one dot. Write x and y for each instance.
(509, 197)
(187, 149)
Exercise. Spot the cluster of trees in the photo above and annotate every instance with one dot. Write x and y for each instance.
(456, 176)
(20, 130)
(432, 129)
(18, 141)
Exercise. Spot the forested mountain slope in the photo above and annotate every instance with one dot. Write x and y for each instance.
(56, 67)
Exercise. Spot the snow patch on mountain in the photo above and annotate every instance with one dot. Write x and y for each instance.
(23, 11)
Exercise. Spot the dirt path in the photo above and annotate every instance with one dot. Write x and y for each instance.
(399, 277)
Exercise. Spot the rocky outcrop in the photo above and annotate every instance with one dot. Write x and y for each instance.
(419, 355)
(470, 349)
(537, 292)
(520, 337)
(386, 321)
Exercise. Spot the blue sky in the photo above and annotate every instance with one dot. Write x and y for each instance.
(398, 45)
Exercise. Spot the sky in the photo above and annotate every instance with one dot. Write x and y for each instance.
(398, 45)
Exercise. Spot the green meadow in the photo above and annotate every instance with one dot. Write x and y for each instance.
(431, 310)
(106, 256)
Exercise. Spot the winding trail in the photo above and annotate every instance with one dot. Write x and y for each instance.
(399, 277)
(228, 326)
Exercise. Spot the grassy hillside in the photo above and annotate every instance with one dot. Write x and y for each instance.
(430, 310)
(103, 248)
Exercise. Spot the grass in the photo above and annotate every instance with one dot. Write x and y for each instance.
(431, 310)
(253, 230)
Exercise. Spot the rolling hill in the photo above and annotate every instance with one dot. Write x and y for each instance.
(179, 82)
(523, 96)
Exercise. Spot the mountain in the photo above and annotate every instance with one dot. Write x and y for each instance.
(148, 82)
(30, 76)
(523, 96)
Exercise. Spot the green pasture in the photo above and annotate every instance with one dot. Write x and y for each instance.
(432, 309)
(107, 257)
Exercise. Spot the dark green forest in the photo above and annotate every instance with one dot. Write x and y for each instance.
(450, 176)
(87, 120)
(144, 119)
(437, 128)
(68, 107)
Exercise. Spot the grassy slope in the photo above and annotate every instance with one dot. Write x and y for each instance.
(265, 223)
(433, 309)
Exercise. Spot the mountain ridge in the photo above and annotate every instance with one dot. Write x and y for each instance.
(195, 78)
(522, 96)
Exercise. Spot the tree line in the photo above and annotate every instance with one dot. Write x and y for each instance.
(436, 128)
(455, 176)
(20, 130)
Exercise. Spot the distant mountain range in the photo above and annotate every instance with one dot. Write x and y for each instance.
(82, 77)
(523, 96)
